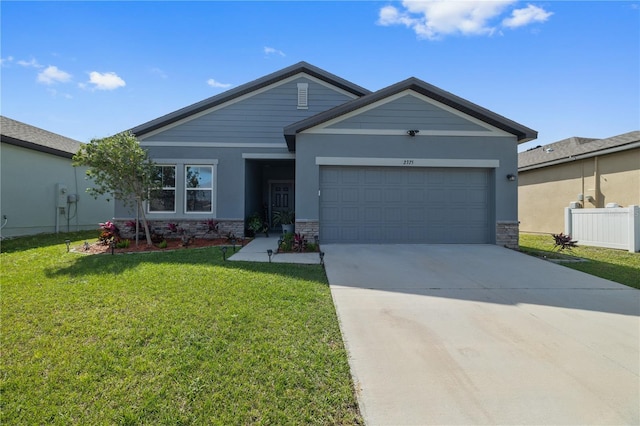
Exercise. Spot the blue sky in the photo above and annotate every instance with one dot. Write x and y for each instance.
(92, 69)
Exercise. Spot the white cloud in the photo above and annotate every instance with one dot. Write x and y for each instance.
(32, 63)
(213, 83)
(54, 93)
(272, 51)
(52, 74)
(5, 61)
(105, 81)
(526, 16)
(434, 19)
(158, 72)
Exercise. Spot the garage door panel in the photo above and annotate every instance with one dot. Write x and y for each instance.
(372, 195)
(394, 205)
(373, 214)
(392, 195)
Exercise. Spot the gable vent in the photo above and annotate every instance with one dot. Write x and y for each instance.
(303, 95)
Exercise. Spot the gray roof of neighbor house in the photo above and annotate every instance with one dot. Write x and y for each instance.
(20, 134)
(575, 148)
(524, 134)
(248, 88)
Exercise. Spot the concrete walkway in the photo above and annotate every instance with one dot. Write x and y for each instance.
(256, 251)
(484, 335)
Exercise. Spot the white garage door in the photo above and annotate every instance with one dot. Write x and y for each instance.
(404, 205)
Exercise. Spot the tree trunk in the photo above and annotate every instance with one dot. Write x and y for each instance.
(144, 223)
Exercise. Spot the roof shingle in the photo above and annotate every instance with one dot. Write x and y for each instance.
(568, 149)
(21, 134)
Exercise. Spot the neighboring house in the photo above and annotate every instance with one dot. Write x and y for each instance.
(590, 172)
(41, 191)
(410, 163)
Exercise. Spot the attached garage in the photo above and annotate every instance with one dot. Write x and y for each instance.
(405, 205)
(410, 163)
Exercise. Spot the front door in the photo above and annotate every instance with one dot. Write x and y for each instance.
(281, 195)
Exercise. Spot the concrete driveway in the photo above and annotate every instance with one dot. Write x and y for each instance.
(450, 334)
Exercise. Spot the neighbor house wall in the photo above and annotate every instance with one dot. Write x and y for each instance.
(29, 198)
(545, 192)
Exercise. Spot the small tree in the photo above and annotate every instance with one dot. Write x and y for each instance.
(119, 166)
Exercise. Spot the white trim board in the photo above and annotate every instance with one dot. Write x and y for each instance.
(247, 96)
(262, 156)
(422, 133)
(491, 130)
(407, 162)
(215, 144)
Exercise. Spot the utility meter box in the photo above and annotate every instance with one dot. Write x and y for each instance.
(61, 195)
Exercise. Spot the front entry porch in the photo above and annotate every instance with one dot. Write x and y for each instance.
(269, 188)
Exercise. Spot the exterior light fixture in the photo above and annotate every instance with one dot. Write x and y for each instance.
(68, 243)
(270, 253)
(112, 245)
(224, 252)
(511, 177)
(233, 241)
(86, 246)
(322, 258)
(279, 243)
(412, 133)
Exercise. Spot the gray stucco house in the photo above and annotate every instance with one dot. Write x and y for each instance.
(410, 163)
(41, 191)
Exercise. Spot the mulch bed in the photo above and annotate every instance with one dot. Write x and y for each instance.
(172, 244)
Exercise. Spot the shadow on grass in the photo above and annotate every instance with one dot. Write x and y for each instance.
(101, 264)
(622, 274)
(18, 244)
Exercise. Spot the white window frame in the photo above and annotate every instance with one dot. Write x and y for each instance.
(164, 188)
(212, 188)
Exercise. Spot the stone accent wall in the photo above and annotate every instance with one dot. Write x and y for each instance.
(194, 227)
(308, 228)
(507, 234)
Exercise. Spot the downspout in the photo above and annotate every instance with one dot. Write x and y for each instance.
(596, 177)
(584, 197)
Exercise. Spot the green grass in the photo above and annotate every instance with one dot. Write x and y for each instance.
(166, 338)
(615, 265)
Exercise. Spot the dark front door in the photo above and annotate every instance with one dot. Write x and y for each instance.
(281, 197)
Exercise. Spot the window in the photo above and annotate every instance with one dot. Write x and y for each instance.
(199, 189)
(164, 199)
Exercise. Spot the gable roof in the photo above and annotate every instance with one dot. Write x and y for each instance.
(300, 67)
(575, 148)
(20, 134)
(524, 134)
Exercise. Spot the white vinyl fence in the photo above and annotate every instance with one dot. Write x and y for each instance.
(611, 227)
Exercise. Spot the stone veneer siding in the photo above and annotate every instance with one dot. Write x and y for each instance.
(308, 228)
(507, 234)
(197, 228)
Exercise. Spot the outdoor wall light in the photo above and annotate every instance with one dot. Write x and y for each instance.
(511, 177)
(68, 243)
(224, 252)
(412, 133)
(270, 253)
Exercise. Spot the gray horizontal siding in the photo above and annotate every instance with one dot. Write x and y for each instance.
(258, 119)
(407, 112)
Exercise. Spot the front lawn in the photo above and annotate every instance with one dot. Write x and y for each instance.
(615, 265)
(166, 338)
